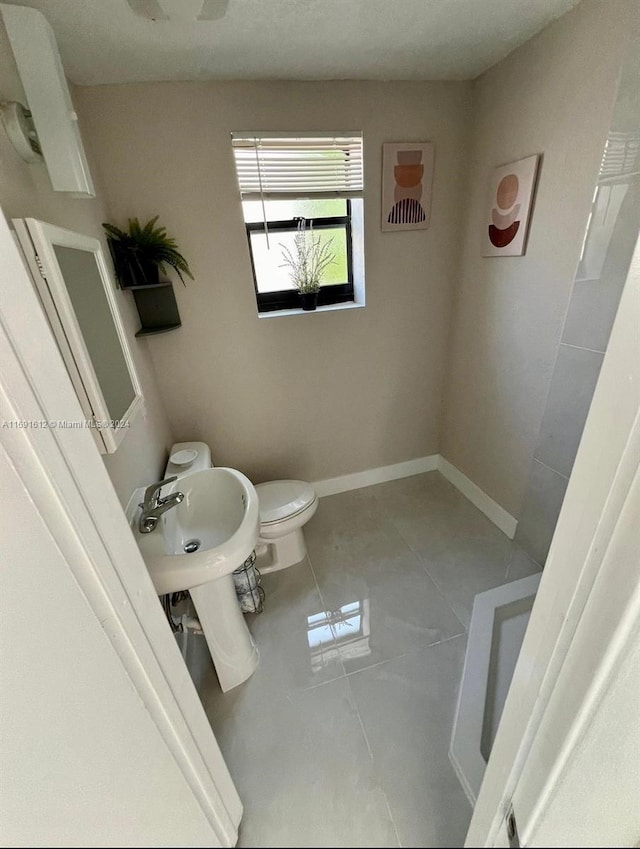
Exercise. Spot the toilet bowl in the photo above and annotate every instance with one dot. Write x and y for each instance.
(285, 507)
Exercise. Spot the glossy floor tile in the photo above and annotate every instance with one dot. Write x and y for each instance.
(461, 550)
(407, 708)
(303, 769)
(341, 736)
(295, 651)
(381, 602)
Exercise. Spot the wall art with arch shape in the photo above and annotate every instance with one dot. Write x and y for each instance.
(509, 208)
(407, 178)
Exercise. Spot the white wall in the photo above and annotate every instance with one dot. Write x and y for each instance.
(309, 396)
(82, 761)
(554, 96)
(25, 191)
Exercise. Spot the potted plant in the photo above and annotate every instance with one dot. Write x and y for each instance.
(140, 253)
(307, 262)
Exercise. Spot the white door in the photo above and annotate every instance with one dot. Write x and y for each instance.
(566, 758)
(71, 568)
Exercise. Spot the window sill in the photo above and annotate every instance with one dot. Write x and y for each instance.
(349, 305)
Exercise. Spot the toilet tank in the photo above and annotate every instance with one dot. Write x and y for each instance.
(201, 461)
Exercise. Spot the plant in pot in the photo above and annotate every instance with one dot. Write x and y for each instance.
(140, 253)
(307, 262)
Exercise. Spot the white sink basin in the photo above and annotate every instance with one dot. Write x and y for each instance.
(219, 514)
(219, 518)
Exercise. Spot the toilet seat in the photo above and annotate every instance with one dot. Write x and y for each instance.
(282, 500)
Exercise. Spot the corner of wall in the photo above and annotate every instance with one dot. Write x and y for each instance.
(553, 96)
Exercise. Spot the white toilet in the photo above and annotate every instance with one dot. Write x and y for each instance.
(285, 507)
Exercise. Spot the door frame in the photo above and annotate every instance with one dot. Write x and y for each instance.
(588, 604)
(65, 476)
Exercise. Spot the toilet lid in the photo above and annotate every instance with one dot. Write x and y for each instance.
(282, 499)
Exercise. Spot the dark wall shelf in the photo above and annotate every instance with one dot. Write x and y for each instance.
(149, 331)
(160, 285)
(157, 308)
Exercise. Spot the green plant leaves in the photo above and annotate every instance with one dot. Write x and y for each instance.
(142, 246)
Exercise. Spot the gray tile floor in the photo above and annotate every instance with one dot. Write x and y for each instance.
(341, 736)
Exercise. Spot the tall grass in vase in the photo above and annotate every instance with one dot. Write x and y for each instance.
(307, 262)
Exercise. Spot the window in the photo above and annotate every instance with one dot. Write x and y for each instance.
(284, 179)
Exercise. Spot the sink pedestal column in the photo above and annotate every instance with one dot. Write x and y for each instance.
(232, 649)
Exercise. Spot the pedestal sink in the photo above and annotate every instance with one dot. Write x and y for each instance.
(196, 546)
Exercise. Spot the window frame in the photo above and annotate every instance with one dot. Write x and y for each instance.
(288, 299)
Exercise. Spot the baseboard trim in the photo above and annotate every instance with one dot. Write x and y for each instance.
(357, 480)
(434, 462)
(491, 509)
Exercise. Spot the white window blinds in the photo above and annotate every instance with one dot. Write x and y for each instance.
(621, 156)
(275, 167)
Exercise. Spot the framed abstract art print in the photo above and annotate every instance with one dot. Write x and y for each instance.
(509, 208)
(407, 177)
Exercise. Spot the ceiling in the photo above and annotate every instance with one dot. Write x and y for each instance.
(105, 41)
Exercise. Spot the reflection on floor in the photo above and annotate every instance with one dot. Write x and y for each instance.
(341, 736)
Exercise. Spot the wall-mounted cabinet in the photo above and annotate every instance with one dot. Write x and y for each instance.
(49, 101)
(78, 296)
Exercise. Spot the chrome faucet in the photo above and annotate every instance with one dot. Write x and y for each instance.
(153, 506)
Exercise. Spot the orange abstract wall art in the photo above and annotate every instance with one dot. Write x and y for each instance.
(407, 176)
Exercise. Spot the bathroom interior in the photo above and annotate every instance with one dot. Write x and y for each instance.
(376, 481)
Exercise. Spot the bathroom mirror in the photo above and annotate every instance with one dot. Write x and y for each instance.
(78, 296)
